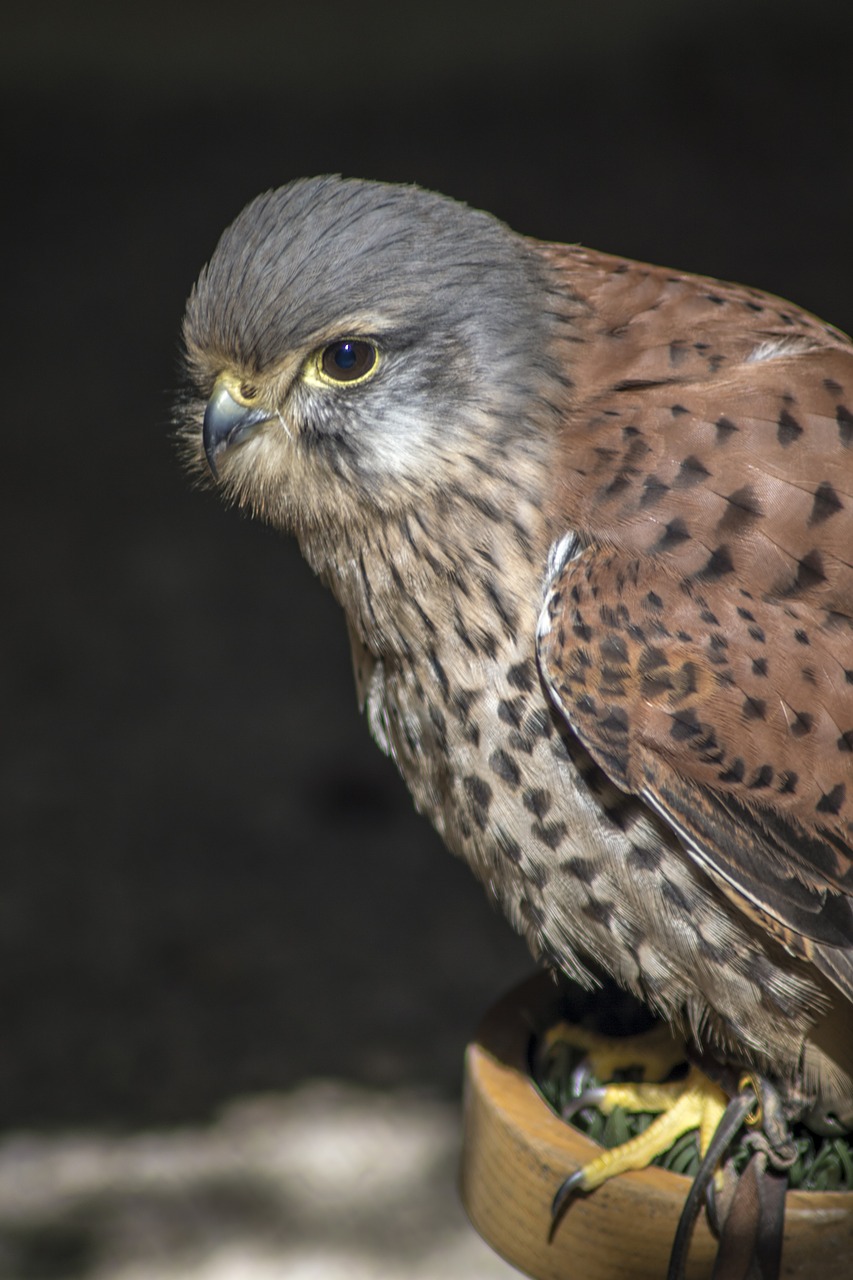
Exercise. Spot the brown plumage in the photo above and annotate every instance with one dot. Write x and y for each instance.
(591, 524)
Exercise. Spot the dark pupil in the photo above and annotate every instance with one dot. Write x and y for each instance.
(346, 355)
(346, 361)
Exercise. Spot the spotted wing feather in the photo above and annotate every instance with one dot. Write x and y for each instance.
(700, 642)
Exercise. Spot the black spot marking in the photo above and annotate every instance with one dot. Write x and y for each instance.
(826, 503)
(551, 834)
(754, 708)
(440, 673)
(489, 644)
(801, 724)
(762, 777)
(757, 634)
(834, 388)
(519, 742)
(599, 912)
(652, 659)
(685, 724)
(479, 794)
(537, 874)
(644, 857)
(615, 723)
(686, 680)
(536, 801)
(580, 868)
(539, 723)
(691, 472)
(617, 485)
(735, 771)
(719, 564)
(642, 384)
(439, 724)
(742, 509)
(787, 429)
(801, 636)
(725, 429)
(507, 615)
(461, 631)
(788, 782)
(675, 896)
(521, 676)
(675, 533)
(653, 490)
(532, 914)
(844, 418)
(759, 666)
(613, 649)
(510, 710)
(677, 352)
(833, 801)
(677, 410)
(845, 742)
(653, 601)
(581, 630)
(505, 767)
(810, 571)
(510, 847)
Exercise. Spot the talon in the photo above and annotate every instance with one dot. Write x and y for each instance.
(694, 1103)
(589, 1098)
(580, 1078)
(565, 1192)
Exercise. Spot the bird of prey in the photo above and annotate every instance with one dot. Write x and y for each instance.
(591, 526)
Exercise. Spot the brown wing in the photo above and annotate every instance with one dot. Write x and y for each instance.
(701, 641)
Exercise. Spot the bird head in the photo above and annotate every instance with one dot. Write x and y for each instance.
(349, 343)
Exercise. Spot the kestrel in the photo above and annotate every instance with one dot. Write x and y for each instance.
(591, 526)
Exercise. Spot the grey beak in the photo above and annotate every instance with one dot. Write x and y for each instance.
(226, 423)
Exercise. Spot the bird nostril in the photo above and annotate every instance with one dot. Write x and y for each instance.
(248, 390)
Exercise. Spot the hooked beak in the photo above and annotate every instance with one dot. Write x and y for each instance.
(227, 422)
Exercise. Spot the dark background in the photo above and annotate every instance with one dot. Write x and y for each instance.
(211, 882)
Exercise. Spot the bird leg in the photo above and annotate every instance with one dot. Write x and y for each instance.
(747, 1211)
(750, 1225)
(693, 1102)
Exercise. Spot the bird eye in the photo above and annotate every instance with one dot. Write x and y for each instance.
(348, 360)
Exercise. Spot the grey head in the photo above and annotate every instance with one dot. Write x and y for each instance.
(443, 314)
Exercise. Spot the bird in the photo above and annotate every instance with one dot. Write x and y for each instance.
(590, 522)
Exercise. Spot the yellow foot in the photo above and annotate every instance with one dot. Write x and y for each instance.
(650, 1056)
(692, 1103)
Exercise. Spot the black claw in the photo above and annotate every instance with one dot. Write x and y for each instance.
(589, 1098)
(565, 1194)
(580, 1078)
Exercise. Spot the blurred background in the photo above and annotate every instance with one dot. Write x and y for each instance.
(237, 973)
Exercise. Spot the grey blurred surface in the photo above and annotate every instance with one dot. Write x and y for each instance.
(330, 1182)
(213, 886)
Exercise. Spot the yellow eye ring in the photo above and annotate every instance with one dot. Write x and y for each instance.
(345, 362)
